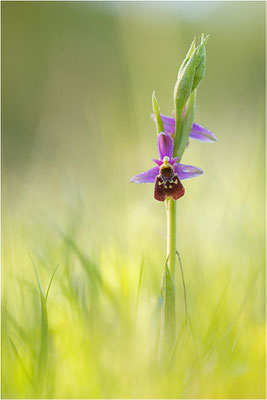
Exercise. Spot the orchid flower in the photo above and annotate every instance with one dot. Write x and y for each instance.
(197, 131)
(168, 173)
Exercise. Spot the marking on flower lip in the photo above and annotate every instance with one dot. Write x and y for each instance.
(167, 188)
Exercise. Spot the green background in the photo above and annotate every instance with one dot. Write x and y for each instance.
(77, 80)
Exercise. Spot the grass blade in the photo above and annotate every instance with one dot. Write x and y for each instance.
(42, 357)
(20, 361)
(50, 283)
(139, 283)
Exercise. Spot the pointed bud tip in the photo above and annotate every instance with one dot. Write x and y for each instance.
(204, 40)
(153, 96)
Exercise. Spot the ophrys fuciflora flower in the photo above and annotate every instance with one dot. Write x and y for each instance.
(168, 173)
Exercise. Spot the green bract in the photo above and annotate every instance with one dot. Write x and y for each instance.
(187, 123)
(201, 63)
(190, 51)
(155, 106)
(190, 74)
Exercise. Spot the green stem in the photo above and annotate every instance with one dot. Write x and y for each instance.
(171, 234)
(167, 331)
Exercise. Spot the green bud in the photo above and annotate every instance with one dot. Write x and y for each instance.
(182, 91)
(190, 52)
(185, 79)
(190, 74)
(200, 70)
(201, 63)
(160, 127)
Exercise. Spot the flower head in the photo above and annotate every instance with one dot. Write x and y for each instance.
(168, 173)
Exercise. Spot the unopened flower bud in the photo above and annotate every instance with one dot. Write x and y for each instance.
(201, 63)
(190, 74)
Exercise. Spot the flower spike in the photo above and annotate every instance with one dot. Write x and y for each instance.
(172, 139)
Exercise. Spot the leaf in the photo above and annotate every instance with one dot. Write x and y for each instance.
(91, 269)
(188, 55)
(20, 361)
(139, 283)
(160, 127)
(167, 314)
(177, 342)
(182, 91)
(42, 358)
(50, 283)
(201, 62)
(187, 124)
(37, 278)
(190, 74)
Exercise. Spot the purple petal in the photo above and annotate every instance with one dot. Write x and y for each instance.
(165, 145)
(147, 176)
(168, 123)
(173, 160)
(186, 171)
(158, 162)
(203, 134)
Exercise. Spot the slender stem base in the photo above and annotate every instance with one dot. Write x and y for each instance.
(171, 235)
(167, 329)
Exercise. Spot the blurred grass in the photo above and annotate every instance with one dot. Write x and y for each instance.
(77, 81)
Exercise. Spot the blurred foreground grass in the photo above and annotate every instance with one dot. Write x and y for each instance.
(77, 81)
(103, 339)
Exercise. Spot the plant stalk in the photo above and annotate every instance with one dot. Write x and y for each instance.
(171, 234)
(168, 325)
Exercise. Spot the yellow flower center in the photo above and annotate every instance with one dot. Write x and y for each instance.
(166, 168)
